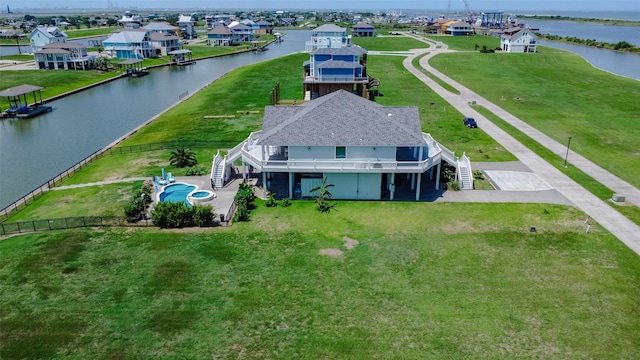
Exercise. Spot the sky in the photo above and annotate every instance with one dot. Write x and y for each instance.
(383, 5)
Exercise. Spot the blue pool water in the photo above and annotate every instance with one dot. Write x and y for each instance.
(176, 193)
(200, 194)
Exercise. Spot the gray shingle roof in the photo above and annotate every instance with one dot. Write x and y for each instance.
(329, 28)
(363, 25)
(338, 64)
(341, 119)
(345, 50)
(220, 30)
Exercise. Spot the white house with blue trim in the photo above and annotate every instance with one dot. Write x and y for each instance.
(44, 35)
(331, 69)
(523, 41)
(328, 36)
(366, 150)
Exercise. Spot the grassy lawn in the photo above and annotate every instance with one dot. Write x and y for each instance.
(53, 82)
(467, 43)
(451, 89)
(95, 31)
(389, 43)
(105, 200)
(561, 95)
(452, 286)
(442, 121)
(18, 57)
(586, 181)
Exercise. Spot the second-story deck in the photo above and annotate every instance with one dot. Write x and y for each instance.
(273, 159)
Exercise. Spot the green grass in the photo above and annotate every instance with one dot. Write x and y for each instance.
(389, 43)
(442, 121)
(467, 43)
(577, 175)
(451, 89)
(478, 286)
(103, 200)
(53, 82)
(18, 57)
(94, 31)
(561, 95)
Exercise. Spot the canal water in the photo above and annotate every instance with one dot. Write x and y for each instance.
(32, 151)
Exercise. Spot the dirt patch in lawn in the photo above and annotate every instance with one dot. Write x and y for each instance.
(334, 253)
(350, 243)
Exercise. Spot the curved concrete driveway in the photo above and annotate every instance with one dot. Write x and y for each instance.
(605, 215)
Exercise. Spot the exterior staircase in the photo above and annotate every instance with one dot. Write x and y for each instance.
(464, 173)
(218, 171)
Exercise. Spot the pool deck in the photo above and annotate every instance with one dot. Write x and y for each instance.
(224, 196)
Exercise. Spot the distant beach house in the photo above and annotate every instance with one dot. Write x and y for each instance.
(163, 37)
(129, 44)
(241, 32)
(523, 41)
(187, 26)
(44, 35)
(366, 150)
(262, 27)
(459, 28)
(328, 36)
(130, 20)
(363, 29)
(220, 35)
(63, 56)
(331, 69)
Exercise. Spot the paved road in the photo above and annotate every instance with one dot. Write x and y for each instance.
(609, 218)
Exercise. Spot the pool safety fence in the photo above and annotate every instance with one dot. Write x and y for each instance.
(30, 197)
(30, 226)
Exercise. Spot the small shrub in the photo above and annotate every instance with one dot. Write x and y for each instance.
(132, 211)
(172, 215)
(286, 202)
(198, 170)
(454, 185)
(478, 175)
(271, 202)
(202, 215)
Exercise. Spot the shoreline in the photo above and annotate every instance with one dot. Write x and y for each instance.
(6, 211)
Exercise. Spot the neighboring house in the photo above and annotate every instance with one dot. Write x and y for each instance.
(209, 22)
(524, 41)
(220, 36)
(366, 150)
(241, 32)
(129, 44)
(329, 70)
(63, 56)
(262, 27)
(187, 26)
(328, 36)
(160, 26)
(43, 35)
(459, 28)
(11, 34)
(130, 20)
(363, 29)
(163, 43)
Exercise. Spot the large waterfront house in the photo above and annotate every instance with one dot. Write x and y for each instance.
(366, 150)
(262, 27)
(328, 36)
(129, 44)
(187, 26)
(130, 20)
(63, 56)
(44, 35)
(363, 29)
(241, 32)
(331, 69)
(221, 35)
(523, 41)
(459, 28)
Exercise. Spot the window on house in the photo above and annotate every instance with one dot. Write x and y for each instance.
(341, 152)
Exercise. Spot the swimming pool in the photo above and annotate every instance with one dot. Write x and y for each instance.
(182, 192)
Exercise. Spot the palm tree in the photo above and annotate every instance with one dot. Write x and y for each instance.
(323, 196)
(183, 157)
